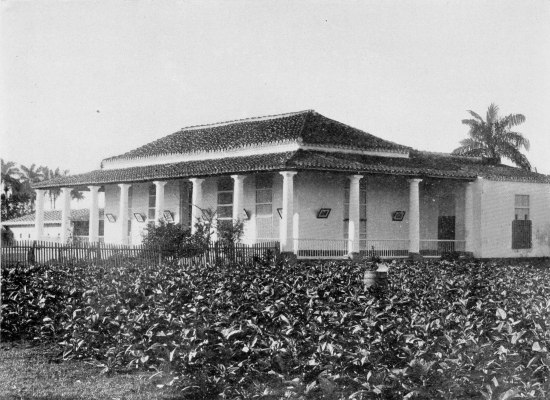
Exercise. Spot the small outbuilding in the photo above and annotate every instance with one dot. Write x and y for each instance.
(24, 228)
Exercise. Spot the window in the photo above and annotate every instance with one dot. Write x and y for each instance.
(152, 203)
(264, 206)
(522, 206)
(224, 211)
(521, 225)
(362, 212)
(186, 206)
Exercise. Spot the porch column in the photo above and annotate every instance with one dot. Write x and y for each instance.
(469, 217)
(93, 234)
(65, 214)
(238, 196)
(414, 216)
(159, 200)
(287, 222)
(39, 220)
(354, 214)
(196, 201)
(123, 212)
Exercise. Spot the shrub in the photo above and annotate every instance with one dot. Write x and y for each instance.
(442, 331)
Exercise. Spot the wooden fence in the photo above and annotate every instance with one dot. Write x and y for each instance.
(31, 252)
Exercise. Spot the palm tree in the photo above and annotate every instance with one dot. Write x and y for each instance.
(10, 173)
(54, 194)
(494, 138)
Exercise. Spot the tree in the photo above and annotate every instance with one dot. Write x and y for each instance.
(32, 174)
(15, 200)
(10, 174)
(53, 194)
(494, 139)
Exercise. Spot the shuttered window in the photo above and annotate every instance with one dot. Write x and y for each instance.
(225, 201)
(521, 225)
(264, 207)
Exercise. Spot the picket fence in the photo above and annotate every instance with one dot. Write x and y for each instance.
(34, 251)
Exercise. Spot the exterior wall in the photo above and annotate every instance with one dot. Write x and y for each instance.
(496, 206)
(313, 191)
(27, 232)
(386, 194)
(112, 198)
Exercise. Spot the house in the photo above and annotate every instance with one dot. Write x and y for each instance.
(321, 188)
(24, 228)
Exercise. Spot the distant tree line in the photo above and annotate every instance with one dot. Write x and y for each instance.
(18, 198)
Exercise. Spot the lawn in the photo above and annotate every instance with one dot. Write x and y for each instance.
(28, 372)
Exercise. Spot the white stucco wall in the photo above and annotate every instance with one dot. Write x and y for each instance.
(493, 209)
(496, 210)
(27, 232)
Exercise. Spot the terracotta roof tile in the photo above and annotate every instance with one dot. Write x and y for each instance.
(419, 164)
(308, 127)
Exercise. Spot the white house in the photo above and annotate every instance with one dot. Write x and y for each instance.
(319, 187)
(24, 228)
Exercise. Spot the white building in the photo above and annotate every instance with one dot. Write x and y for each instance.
(24, 228)
(319, 187)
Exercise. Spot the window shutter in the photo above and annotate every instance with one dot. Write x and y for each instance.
(521, 234)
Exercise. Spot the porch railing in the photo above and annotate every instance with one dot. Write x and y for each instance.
(385, 248)
(436, 248)
(321, 248)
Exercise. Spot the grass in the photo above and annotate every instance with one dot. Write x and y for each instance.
(28, 372)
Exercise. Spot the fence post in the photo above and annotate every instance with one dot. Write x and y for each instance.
(30, 254)
(98, 251)
(160, 254)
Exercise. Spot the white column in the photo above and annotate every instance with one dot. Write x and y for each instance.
(354, 213)
(414, 216)
(469, 217)
(123, 213)
(93, 233)
(285, 235)
(196, 200)
(238, 196)
(65, 214)
(39, 220)
(159, 200)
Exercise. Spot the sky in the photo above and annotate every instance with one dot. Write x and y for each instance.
(85, 80)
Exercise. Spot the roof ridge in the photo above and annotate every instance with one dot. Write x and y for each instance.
(243, 120)
(364, 132)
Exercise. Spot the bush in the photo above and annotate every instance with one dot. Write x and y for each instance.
(442, 331)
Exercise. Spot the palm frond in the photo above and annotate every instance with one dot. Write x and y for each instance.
(516, 139)
(511, 152)
(513, 120)
(469, 146)
(492, 113)
(471, 122)
(476, 115)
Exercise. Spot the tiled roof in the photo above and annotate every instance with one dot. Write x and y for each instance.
(52, 216)
(307, 127)
(421, 164)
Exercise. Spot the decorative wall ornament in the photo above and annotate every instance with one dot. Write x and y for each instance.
(323, 212)
(280, 212)
(110, 217)
(139, 217)
(246, 214)
(168, 216)
(397, 215)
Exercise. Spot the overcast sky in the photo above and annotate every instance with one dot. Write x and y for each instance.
(82, 80)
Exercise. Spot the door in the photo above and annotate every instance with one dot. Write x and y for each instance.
(446, 231)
